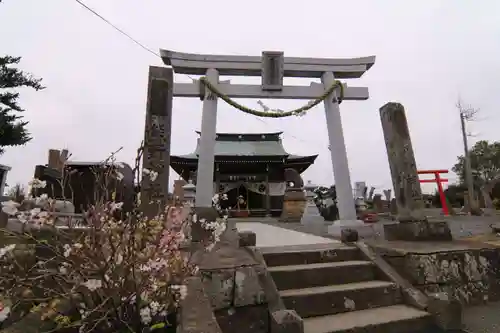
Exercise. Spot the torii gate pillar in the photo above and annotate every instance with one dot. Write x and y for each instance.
(206, 159)
(341, 174)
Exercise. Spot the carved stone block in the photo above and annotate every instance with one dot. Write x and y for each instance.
(272, 71)
(219, 287)
(248, 290)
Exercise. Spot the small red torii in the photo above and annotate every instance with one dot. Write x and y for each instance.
(437, 180)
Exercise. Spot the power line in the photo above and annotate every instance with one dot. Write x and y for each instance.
(94, 12)
(117, 29)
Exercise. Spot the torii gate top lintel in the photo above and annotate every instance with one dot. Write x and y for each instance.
(272, 67)
(234, 65)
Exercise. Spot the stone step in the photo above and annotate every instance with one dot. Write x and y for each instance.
(321, 274)
(320, 301)
(309, 254)
(389, 319)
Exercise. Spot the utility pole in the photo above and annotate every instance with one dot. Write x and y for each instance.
(467, 114)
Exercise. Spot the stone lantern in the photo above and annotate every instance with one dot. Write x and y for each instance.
(309, 188)
(3, 177)
(189, 192)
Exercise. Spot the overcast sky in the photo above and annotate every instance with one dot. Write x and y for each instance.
(428, 53)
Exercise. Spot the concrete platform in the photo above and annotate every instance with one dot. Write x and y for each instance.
(272, 236)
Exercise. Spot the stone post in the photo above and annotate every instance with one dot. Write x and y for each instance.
(409, 201)
(402, 163)
(206, 160)
(156, 157)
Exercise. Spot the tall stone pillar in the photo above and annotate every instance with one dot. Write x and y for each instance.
(206, 159)
(413, 224)
(402, 163)
(156, 157)
(345, 199)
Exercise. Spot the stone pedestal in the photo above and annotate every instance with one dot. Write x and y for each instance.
(418, 231)
(363, 230)
(294, 205)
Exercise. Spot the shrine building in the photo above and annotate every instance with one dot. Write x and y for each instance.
(249, 167)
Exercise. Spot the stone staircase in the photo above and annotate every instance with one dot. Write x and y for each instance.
(335, 290)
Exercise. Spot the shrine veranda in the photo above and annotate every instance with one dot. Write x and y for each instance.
(272, 67)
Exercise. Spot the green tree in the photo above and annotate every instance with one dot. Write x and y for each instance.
(13, 130)
(485, 163)
(454, 193)
(17, 193)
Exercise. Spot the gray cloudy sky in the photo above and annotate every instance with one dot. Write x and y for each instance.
(428, 52)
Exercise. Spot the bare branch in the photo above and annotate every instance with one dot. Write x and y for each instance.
(467, 111)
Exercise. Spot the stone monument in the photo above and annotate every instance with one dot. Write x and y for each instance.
(156, 156)
(413, 224)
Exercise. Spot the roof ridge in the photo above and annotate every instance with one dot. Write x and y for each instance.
(238, 133)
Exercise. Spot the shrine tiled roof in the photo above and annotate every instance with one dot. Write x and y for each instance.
(246, 145)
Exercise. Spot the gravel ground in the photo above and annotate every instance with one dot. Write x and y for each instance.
(482, 318)
(461, 226)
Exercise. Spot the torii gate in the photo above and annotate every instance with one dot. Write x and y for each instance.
(437, 180)
(272, 67)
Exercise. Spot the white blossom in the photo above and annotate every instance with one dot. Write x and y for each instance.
(67, 250)
(42, 199)
(7, 249)
(37, 183)
(152, 174)
(4, 312)
(180, 289)
(10, 207)
(116, 206)
(145, 314)
(93, 284)
(119, 175)
(154, 306)
(63, 270)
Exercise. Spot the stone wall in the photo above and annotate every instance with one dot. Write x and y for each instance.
(471, 276)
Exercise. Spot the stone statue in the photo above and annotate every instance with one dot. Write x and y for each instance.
(326, 200)
(388, 194)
